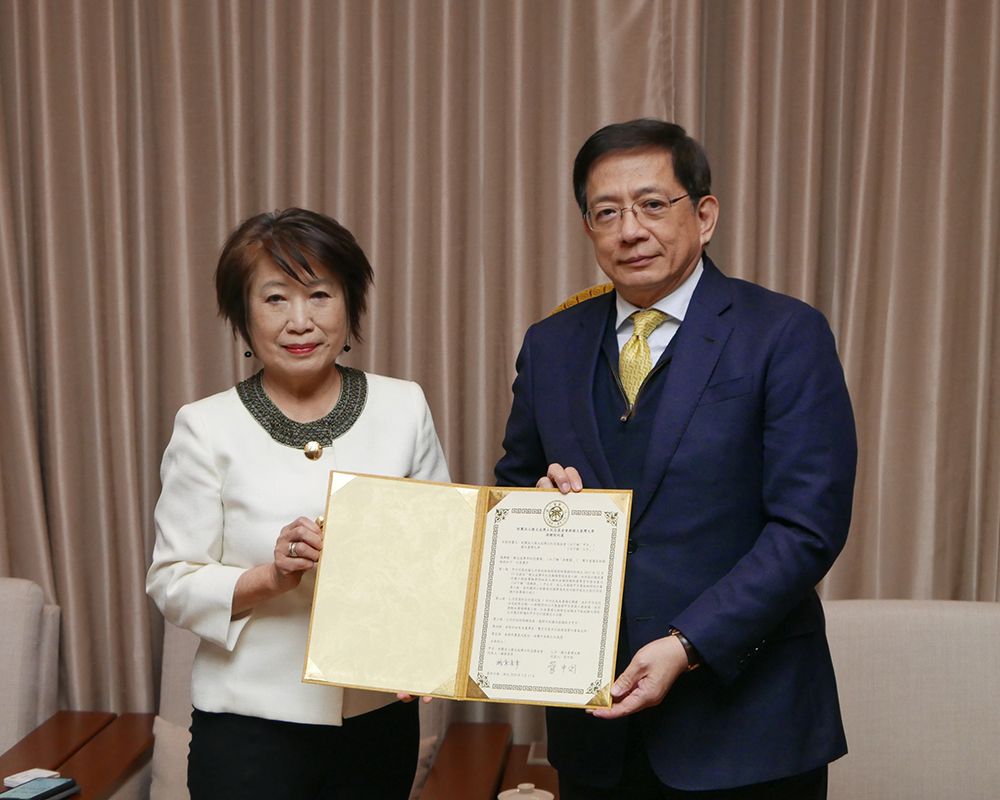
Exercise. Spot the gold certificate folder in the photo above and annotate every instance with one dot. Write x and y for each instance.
(469, 592)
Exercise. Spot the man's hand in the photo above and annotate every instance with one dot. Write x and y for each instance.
(565, 479)
(646, 681)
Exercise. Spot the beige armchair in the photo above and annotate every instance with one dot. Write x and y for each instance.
(164, 776)
(29, 659)
(97, 747)
(919, 688)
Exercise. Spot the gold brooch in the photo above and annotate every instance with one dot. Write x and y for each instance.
(313, 450)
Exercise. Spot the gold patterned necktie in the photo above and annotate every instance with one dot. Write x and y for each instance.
(635, 362)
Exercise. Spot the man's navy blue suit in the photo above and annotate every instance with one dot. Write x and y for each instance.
(743, 502)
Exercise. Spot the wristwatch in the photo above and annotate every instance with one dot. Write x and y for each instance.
(694, 659)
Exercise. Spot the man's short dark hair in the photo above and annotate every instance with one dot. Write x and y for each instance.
(294, 240)
(689, 159)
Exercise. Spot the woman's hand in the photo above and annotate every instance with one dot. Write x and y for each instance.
(409, 698)
(296, 551)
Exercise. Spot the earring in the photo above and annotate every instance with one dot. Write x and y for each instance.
(347, 347)
(248, 354)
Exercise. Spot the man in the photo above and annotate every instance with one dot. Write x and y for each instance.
(723, 406)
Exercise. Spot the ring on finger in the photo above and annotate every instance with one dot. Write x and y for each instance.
(291, 549)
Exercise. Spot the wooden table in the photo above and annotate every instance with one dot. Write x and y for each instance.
(98, 749)
(111, 757)
(469, 763)
(54, 741)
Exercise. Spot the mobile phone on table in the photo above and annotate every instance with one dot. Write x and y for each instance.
(42, 789)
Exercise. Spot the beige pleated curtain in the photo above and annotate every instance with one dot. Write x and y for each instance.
(855, 152)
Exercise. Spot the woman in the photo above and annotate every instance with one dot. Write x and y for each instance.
(244, 477)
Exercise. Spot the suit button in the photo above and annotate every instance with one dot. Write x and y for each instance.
(632, 546)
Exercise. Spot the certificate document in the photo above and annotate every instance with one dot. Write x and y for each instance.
(469, 592)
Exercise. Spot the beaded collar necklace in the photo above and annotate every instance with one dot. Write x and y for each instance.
(310, 437)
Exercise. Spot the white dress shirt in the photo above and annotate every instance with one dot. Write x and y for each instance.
(674, 305)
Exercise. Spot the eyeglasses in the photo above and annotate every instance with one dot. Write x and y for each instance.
(603, 218)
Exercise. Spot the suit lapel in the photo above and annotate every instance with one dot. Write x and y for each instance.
(583, 352)
(700, 341)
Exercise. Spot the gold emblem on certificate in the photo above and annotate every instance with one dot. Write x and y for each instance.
(556, 513)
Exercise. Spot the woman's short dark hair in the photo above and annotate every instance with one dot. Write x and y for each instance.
(293, 239)
(689, 159)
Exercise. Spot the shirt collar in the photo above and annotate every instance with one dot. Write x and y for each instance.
(674, 305)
